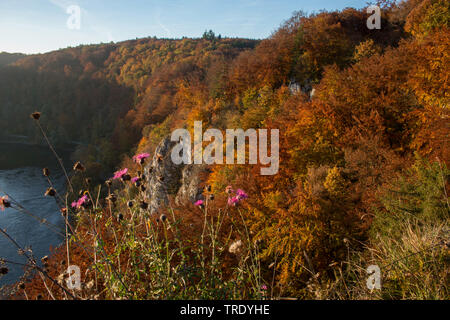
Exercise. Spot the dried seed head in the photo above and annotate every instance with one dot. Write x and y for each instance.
(163, 217)
(4, 202)
(112, 198)
(44, 259)
(4, 271)
(63, 212)
(144, 205)
(108, 183)
(161, 178)
(88, 181)
(126, 177)
(120, 217)
(130, 204)
(235, 247)
(211, 197)
(143, 188)
(46, 172)
(36, 115)
(208, 188)
(90, 285)
(21, 286)
(50, 192)
(78, 167)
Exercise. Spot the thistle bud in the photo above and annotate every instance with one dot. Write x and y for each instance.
(78, 167)
(36, 115)
(112, 198)
(144, 205)
(50, 192)
(46, 172)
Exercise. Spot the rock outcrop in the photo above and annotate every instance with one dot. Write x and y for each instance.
(166, 179)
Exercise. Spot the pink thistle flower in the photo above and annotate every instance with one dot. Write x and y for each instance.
(199, 203)
(135, 179)
(241, 194)
(233, 201)
(140, 158)
(264, 287)
(78, 204)
(119, 174)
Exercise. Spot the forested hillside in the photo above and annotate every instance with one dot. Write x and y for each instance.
(350, 149)
(364, 154)
(8, 58)
(90, 94)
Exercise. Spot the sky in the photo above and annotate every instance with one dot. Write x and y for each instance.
(38, 26)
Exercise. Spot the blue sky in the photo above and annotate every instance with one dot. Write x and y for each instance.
(36, 26)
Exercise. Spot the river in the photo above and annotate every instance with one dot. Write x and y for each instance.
(21, 177)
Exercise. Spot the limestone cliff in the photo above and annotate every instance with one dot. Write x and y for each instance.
(166, 179)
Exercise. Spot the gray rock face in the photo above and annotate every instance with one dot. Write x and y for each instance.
(168, 179)
(190, 184)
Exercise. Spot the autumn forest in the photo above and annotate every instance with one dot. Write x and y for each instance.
(364, 153)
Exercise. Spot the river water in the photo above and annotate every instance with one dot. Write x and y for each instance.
(21, 177)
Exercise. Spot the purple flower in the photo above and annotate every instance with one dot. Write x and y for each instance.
(241, 194)
(135, 179)
(77, 204)
(119, 174)
(199, 203)
(140, 158)
(264, 287)
(233, 201)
